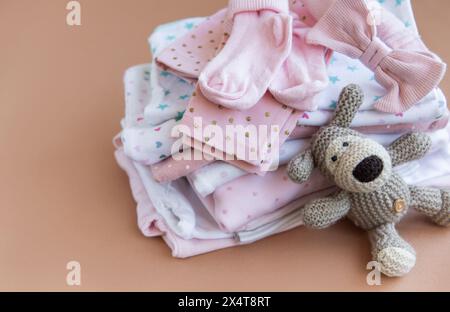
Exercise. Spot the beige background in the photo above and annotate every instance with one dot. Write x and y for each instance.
(62, 197)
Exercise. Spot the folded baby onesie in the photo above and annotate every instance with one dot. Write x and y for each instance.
(171, 101)
(430, 109)
(188, 56)
(166, 34)
(152, 95)
(178, 166)
(137, 94)
(152, 224)
(302, 132)
(207, 179)
(141, 141)
(149, 145)
(155, 222)
(170, 93)
(265, 127)
(242, 200)
(182, 211)
(175, 167)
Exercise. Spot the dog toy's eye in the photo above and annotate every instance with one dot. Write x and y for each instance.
(346, 144)
(334, 158)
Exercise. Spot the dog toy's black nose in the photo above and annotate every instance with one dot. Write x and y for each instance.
(369, 169)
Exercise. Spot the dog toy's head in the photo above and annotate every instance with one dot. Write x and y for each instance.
(356, 164)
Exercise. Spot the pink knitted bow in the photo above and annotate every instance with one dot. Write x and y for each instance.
(407, 75)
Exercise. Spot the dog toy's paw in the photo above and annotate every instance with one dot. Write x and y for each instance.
(443, 217)
(396, 262)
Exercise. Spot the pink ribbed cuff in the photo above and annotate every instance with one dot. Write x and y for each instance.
(237, 6)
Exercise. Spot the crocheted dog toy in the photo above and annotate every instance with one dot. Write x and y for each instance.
(372, 196)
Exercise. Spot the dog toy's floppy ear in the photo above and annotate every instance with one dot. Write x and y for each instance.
(350, 100)
(301, 167)
(409, 147)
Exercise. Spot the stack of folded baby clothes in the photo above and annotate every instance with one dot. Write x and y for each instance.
(277, 65)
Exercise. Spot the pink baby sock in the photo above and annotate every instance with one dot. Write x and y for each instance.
(259, 42)
(303, 74)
